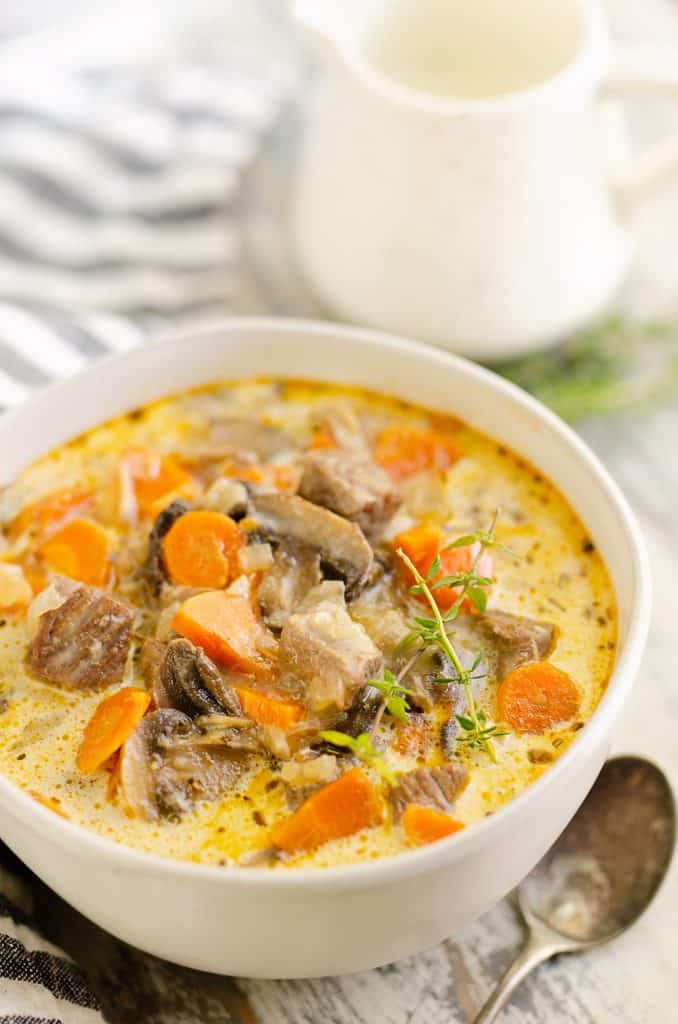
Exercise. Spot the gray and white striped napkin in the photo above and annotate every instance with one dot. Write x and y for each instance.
(119, 213)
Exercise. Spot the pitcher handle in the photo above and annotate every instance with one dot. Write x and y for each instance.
(645, 68)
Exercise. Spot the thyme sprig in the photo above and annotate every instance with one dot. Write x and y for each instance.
(478, 731)
(364, 750)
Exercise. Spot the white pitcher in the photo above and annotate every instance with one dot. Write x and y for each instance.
(456, 182)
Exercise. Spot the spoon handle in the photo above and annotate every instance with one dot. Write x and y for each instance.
(537, 949)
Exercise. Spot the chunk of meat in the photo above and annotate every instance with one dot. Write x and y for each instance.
(165, 768)
(243, 435)
(341, 544)
(323, 648)
(295, 571)
(150, 662)
(83, 643)
(190, 682)
(429, 787)
(153, 570)
(517, 638)
(350, 484)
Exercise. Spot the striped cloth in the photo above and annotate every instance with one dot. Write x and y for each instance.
(118, 214)
(119, 208)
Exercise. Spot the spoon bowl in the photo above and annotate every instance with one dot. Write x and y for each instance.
(600, 874)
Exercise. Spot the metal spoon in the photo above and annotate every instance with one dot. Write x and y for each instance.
(600, 875)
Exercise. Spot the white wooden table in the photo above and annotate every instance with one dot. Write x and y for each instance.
(634, 980)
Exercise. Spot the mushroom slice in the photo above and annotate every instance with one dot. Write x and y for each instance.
(341, 544)
(153, 569)
(142, 754)
(190, 682)
(165, 769)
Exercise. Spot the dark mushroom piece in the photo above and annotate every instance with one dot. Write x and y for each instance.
(344, 551)
(190, 682)
(153, 570)
(165, 769)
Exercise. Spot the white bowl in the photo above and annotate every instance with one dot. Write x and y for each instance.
(314, 922)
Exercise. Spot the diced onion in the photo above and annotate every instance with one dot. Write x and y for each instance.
(14, 587)
(308, 773)
(255, 557)
(53, 596)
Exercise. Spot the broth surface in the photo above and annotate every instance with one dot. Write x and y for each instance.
(558, 577)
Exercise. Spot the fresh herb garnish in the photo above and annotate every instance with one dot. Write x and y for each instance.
(395, 696)
(432, 632)
(363, 749)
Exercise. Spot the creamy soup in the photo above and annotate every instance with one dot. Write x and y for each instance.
(278, 624)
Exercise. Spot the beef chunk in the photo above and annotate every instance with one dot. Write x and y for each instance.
(341, 545)
(323, 648)
(295, 570)
(432, 787)
(153, 569)
(517, 639)
(83, 643)
(351, 485)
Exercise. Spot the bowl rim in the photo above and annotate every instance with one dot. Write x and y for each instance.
(408, 863)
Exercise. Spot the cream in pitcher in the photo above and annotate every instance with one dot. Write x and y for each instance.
(456, 179)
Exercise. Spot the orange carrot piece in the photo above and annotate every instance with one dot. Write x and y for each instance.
(536, 696)
(201, 549)
(155, 479)
(427, 824)
(322, 439)
(225, 625)
(422, 543)
(80, 550)
(343, 807)
(404, 451)
(114, 721)
(52, 803)
(52, 511)
(283, 478)
(269, 710)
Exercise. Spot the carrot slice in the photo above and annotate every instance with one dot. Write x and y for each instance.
(321, 440)
(80, 549)
(51, 511)
(201, 549)
(113, 722)
(339, 809)
(427, 824)
(535, 697)
(404, 451)
(422, 543)
(155, 479)
(225, 625)
(52, 803)
(283, 478)
(269, 710)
